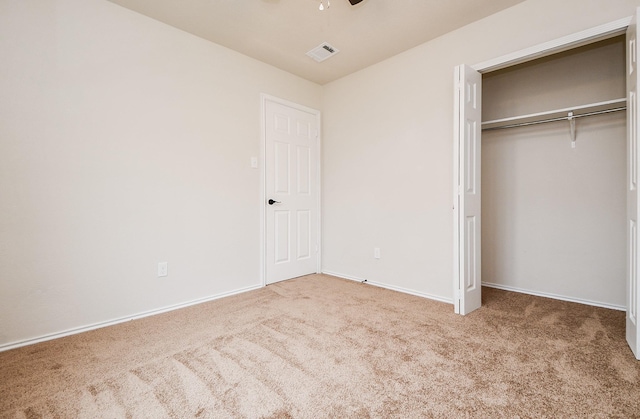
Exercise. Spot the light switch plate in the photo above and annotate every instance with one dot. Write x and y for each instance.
(163, 269)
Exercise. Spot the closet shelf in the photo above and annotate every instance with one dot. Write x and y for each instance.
(557, 115)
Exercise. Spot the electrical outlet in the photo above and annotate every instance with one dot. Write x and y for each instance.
(376, 252)
(163, 269)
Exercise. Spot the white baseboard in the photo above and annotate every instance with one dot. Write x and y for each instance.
(74, 331)
(391, 287)
(44, 338)
(555, 296)
(484, 284)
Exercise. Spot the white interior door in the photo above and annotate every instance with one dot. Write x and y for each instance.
(291, 191)
(468, 129)
(633, 292)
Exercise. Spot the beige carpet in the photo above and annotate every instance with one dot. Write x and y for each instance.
(322, 347)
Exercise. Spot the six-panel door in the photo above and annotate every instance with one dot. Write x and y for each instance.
(291, 180)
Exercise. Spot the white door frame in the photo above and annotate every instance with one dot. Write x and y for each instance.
(264, 98)
(585, 37)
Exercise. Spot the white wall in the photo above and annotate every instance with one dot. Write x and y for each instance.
(388, 145)
(553, 217)
(123, 142)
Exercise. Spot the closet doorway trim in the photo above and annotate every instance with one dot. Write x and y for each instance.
(589, 36)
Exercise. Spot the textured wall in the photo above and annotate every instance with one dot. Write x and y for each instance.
(123, 142)
(388, 147)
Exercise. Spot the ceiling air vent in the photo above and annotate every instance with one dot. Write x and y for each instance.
(322, 52)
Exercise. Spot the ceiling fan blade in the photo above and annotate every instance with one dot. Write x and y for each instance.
(354, 2)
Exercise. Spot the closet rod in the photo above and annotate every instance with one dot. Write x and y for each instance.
(562, 118)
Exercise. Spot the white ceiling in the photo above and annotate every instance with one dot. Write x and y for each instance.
(280, 32)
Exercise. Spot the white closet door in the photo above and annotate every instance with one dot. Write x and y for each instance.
(633, 291)
(468, 292)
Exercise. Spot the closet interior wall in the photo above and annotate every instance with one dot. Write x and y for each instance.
(553, 216)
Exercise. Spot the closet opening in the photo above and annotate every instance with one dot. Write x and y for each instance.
(553, 176)
(587, 221)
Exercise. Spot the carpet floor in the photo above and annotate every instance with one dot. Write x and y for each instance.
(323, 347)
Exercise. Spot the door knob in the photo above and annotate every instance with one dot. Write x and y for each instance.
(271, 202)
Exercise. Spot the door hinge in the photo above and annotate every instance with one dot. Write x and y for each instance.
(459, 83)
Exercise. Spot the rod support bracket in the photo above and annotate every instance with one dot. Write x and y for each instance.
(572, 128)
